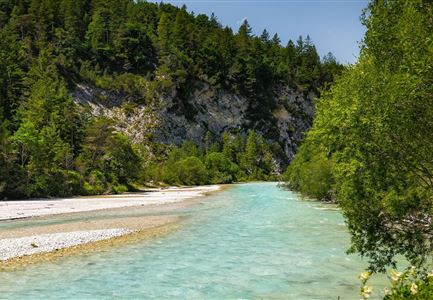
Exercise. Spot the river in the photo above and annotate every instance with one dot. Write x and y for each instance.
(250, 241)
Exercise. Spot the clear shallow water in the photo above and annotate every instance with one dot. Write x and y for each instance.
(252, 241)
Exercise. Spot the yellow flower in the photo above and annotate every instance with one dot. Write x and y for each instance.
(366, 291)
(412, 271)
(395, 276)
(387, 291)
(414, 288)
(364, 276)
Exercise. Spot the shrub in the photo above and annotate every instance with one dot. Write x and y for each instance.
(221, 169)
(72, 183)
(310, 173)
(96, 183)
(412, 284)
(121, 160)
(119, 188)
(191, 171)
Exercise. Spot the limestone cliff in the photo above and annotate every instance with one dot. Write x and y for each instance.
(172, 120)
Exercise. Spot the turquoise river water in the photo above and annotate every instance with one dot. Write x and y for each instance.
(250, 241)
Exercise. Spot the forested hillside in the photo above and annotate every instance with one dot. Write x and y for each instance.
(371, 144)
(95, 92)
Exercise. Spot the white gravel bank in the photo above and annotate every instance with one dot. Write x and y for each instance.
(44, 207)
(17, 247)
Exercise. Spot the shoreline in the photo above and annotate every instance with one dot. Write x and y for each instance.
(23, 209)
(85, 224)
(20, 262)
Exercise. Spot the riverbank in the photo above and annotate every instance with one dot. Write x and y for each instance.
(91, 222)
(10, 210)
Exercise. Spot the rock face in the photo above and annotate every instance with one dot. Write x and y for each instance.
(294, 116)
(98, 100)
(206, 110)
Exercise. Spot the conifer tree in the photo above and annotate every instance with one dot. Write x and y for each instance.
(179, 37)
(250, 156)
(11, 73)
(164, 34)
(264, 37)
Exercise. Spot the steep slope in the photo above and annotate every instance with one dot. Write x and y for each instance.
(207, 110)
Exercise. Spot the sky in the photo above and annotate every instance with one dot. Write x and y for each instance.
(333, 25)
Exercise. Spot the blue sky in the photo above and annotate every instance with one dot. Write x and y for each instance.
(333, 25)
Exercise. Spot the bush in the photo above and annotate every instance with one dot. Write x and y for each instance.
(191, 171)
(72, 183)
(96, 183)
(168, 174)
(119, 188)
(310, 173)
(121, 160)
(221, 169)
(412, 284)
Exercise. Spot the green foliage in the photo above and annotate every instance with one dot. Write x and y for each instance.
(111, 155)
(311, 173)
(375, 125)
(96, 183)
(221, 169)
(188, 165)
(256, 161)
(11, 73)
(410, 285)
(6, 163)
(191, 171)
(413, 283)
(44, 142)
(112, 37)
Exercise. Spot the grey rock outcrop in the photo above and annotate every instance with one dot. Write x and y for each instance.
(294, 115)
(207, 109)
(213, 110)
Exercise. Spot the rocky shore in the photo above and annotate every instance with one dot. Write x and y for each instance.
(37, 227)
(10, 210)
(17, 247)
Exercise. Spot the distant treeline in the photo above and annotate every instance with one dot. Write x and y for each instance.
(234, 159)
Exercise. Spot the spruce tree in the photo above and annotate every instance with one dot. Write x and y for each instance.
(164, 34)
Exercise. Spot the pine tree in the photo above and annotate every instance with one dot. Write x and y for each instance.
(179, 37)
(250, 157)
(244, 35)
(208, 141)
(6, 157)
(47, 132)
(11, 73)
(227, 145)
(276, 40)
(164, 34)
(44, 17)
(97, 33)
(264, 37)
